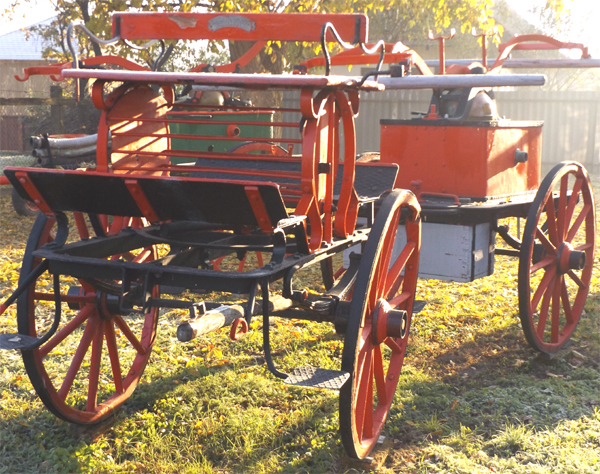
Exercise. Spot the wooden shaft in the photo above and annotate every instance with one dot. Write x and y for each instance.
(526, 63)
(462, 80)
(224, 316)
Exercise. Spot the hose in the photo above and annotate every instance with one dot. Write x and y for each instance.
(61, 143)
(64, 152)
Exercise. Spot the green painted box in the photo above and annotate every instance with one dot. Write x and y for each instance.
(217, 130)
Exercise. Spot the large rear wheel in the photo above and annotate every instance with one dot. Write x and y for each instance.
(557, 257)
(379, 321)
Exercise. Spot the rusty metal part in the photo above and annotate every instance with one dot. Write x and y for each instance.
(223, 316)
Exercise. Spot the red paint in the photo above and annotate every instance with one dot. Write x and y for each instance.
(33, 192)
(468, 161)
(137, 193)
(259, 209)
(239, 26)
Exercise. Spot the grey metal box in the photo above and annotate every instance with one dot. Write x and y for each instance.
(451, 252)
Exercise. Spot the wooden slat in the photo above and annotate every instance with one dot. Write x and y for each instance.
(238, 26)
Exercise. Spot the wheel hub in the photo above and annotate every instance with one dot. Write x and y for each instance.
(107, 305)
(570, 259)
(388, 322)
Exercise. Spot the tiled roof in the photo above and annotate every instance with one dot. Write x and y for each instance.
(17, 46)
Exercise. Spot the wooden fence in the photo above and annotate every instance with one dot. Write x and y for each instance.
(571, 119)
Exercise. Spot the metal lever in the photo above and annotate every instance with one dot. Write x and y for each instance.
(490, 33)
(442, 40)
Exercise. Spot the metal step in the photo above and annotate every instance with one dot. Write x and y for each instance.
(418, 306)
(17, 341)
(314, 377)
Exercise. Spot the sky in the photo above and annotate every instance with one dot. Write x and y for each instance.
(585, 13)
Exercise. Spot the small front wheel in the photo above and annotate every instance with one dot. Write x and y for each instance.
(379, 321)
(22, 206)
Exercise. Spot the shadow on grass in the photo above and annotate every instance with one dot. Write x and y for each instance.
(226, 419)
(233, 417)
(492, 382)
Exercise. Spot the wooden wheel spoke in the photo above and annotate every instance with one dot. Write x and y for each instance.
(143, 255)
(543, 314)
(547, 280)
(398, 266)
(136, 223)
(116, 226)
(113, 355)
(584, 247)
(60, 336)
(393, 345)
(556, 309)
(577, 224)
(242, 262)
(379, 371)
(103, 218)
(564, 297)
(84, 344)
(577, 280)
(95, 361)
(388, 243)
(544, 263)
(129, 335)
(365, 343)
(541, 236)
(551, 222)
(217, 262)
(81, 225)
(398, 300)
(573, 199)
(375, 292)
(395, 288)
(364, 385)
(368, 419)
(562, 208)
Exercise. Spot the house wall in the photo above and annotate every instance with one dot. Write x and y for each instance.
(36, 86)
(571, 119)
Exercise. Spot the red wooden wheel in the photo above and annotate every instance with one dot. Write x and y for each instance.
(255, 148)
(75, 383)
(22, 206)
(557, 257)
(379, 321)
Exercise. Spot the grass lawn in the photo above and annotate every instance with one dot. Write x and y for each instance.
(472, 398)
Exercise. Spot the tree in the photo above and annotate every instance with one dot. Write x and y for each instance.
(393, 20)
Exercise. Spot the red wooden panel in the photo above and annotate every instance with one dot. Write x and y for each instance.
(468, 160)
(238, 26)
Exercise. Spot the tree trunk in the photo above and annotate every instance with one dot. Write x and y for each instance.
(85, 13)
(263, 62)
